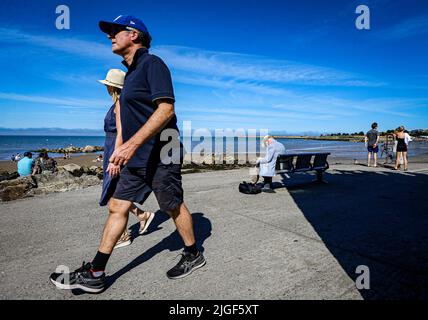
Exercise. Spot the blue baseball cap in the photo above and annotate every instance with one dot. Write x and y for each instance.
(124, 21)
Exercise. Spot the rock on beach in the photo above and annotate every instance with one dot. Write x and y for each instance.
(68, 177)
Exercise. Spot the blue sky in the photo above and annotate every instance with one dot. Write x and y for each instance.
(293, 66)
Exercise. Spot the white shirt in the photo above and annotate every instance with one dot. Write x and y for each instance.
(407, 138)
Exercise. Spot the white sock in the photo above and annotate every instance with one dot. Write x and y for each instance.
(97, 274)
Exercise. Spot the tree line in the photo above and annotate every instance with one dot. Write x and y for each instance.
(414, 133)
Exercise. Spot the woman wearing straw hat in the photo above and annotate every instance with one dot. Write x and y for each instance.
(114, 83)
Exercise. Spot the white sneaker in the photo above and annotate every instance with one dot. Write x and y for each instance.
(143, 228)
(124, 240)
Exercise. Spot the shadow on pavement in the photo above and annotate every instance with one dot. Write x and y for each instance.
(378, 219)
(160, 217)
(173, 242)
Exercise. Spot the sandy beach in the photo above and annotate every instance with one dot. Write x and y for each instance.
(87, 160)
(82, 160)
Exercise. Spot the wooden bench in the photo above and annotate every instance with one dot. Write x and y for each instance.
(302, 162)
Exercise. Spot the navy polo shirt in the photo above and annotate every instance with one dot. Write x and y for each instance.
(147, 79)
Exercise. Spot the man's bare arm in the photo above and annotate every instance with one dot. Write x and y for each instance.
(158, 120)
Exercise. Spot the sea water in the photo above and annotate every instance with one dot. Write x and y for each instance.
(10, 145)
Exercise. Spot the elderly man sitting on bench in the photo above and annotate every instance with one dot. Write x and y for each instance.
(266, 166)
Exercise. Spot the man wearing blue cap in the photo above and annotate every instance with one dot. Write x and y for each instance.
(146, 109)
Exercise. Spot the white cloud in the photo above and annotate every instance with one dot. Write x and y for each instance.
(58, 101)
(83, 79)
(242, 67)
(353, 107)
(69, 45)
(231, 84)
(245, 89)
(242, 113)
(214, 65)
(410, 27)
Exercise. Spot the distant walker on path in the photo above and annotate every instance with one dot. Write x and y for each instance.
(371, 140)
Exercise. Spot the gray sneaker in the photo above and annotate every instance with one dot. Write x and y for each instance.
(81, 278)
(187, 264)
(268, 188)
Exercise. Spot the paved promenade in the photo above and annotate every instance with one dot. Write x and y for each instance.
(303, 242)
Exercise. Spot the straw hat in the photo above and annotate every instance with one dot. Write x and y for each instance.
(114, 78)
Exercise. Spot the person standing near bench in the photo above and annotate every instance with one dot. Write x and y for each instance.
(268, 163)
(372, 140)
(146, 108)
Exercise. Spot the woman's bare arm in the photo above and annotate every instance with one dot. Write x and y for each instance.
(113, 169)
(119, 140)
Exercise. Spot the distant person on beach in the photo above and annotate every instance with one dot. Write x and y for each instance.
(44, 163)
(99, 158)
(113, 131)
(389, 148)
(407, 137)
(371, 140)
(266, 166)
(403, 140)
(26, 164)
(146, 108)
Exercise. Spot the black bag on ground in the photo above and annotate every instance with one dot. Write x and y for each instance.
(249, 188)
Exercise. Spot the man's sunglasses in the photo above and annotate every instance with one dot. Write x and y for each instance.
(116, 29)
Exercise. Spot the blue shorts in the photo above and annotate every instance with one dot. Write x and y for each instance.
(371, 149)
(135, 185)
